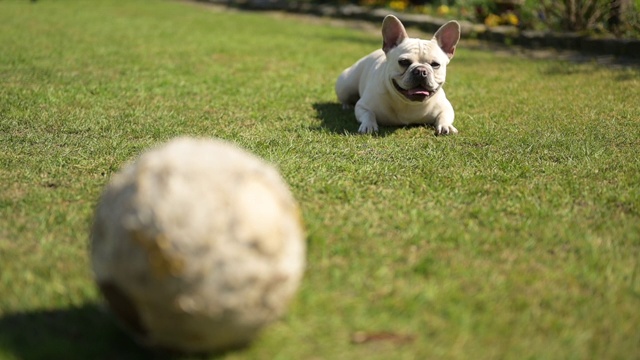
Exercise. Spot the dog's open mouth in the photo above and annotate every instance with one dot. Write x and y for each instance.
(418, 93)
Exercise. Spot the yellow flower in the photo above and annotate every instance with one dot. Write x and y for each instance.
(398, 5)
(492, 20)
(510, 18)
(442, 10)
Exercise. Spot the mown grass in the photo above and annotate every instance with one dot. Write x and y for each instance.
(519, 238)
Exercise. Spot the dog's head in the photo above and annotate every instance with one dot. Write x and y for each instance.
(417, 68)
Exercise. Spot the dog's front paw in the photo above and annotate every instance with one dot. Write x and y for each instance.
(368, 128)
(346, 106)
(446, 130)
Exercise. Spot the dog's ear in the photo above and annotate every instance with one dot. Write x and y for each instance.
(393, 33)
(447, 37)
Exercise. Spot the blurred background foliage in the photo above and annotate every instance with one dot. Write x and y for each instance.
(619, 18)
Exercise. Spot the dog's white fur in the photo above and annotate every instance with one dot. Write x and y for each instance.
(401, 84)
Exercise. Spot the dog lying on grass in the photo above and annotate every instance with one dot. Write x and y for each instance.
(401, 84)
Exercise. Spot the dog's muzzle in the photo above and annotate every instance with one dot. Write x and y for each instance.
(418, 92)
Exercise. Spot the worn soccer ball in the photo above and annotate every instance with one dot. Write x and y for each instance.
(197, 245)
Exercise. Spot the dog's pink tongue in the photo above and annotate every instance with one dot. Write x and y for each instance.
(418, 91)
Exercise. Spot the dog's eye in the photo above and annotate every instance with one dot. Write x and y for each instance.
(404, 62)
(435, 65)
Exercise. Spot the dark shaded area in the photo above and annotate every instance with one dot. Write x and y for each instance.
(85, 332)
(337, 120)
(122, 306)
(88, 332)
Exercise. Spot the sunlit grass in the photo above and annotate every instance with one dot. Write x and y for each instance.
(518, 238)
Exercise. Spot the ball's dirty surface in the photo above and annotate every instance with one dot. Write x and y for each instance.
(197, 245)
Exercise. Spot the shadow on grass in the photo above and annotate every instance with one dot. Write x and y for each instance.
(341, 121)
(85, 332)
(82, 333)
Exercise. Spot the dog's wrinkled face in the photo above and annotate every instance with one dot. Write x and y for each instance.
(417, 68)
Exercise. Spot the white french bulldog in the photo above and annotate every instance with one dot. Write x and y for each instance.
(401, 83)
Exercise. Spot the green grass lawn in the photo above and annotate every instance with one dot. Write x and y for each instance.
(519, 238)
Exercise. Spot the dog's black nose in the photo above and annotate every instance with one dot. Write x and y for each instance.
(420, 71)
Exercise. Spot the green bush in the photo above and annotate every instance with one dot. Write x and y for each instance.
(586, 16)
